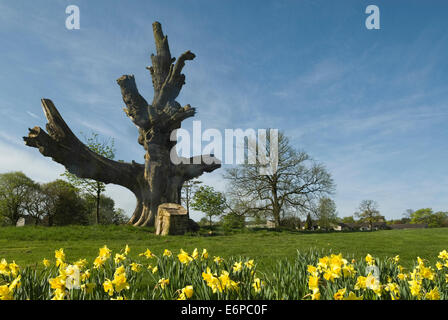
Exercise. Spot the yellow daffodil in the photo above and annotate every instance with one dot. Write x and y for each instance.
(312, 270)
(415, 287)
(58, 282)
(99, 261)
(88, 287)
(218, 260)
(401, 276)
(352, 296)
(370, 260)
(443, 255)
(127, 250)
(394, 290)
(329, 275)
(59, 254)
(249, 264)
(108, 287)
(135, 267)
(119, 258)
(257, 285)
(420, 262)
(59, 294)
(188, 290)
(81, 263)
(105, 252)
(167, 253)
(427, 273)
(361, 283)
(195, 253)
(15, 283)
(339, 295)
(433, 294)
(85, 275)
(237, 266)
(313, 282)
(4, 268)
(164, 282)
(315, 295)
(148, 254)
(186, 293)
(5, 293)
(120, 282)
(46, 263)
(14, 268)
(348, 271)
(184, 257)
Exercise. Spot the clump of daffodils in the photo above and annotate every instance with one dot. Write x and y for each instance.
(340, 280)
(195, 274)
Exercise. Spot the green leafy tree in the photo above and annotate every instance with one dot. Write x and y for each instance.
(35, 204)
(14, 189)
(427, 216)
(64, 204)
(188, 190)
(348, 219)
(119, 217)
(325, 213)
(368, 212)
(291, 222)
(209, 201)
(308, 222)
(233, 221)
(108, 213)
(203, 222)
(104, 148)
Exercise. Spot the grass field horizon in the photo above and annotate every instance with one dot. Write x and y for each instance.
(29, 245)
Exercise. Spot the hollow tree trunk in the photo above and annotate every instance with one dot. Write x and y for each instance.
(159, 180)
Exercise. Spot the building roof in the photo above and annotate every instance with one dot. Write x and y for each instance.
(408, 225)
(361, 224)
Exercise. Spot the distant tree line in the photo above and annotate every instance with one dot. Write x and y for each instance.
(425, 216)
(54, 203)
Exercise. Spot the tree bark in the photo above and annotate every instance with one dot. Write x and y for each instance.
(159, 180)
(98, 198)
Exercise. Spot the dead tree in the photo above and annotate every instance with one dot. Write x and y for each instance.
(158, 180)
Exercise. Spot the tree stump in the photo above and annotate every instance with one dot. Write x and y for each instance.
(172, 219)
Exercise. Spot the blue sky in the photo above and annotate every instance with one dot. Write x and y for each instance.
(370, 104)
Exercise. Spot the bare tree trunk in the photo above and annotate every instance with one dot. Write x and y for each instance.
(159, 180)
(98, 198)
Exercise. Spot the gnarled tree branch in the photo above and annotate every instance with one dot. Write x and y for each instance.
(137, 107)
(196, 166)
(65, 148)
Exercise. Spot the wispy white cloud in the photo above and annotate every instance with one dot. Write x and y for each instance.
(34, 115)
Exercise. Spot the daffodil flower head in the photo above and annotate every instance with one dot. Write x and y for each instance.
(148, 254)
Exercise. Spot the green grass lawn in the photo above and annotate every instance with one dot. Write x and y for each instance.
(28, 245)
